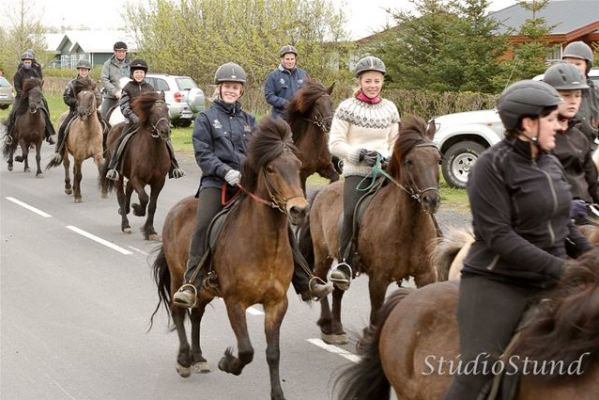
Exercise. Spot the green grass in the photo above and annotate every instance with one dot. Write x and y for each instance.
(181, 138)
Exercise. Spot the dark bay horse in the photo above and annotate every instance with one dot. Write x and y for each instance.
(309, 113)
(417, 327)
(253, 258)
(84, 138)
(145, 161)
(30, 126)
(395, 230)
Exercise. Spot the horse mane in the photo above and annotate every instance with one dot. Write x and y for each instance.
(268, 142)
(567, 325)
(411, 133)
(302, 102)
(80, 84)
(29, 84)
(142, 104)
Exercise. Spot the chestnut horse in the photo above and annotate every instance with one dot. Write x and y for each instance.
(30, 126)
(309, 113)
(417, 327)
(84, 139)
(252, 259)
(145, 161)
(395, 229)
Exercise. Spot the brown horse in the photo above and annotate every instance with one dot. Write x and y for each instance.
(84, 138)
(253, 258)
(309, 114)
(145, 161)
(417, 327)
(30, 126)
(394, 231)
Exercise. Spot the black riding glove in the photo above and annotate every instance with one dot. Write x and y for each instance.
(369, 157)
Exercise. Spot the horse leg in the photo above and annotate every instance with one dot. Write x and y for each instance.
(67, 174)
(122, 198)
(148, 228)
(338, 335)
(274, 314)
(11, 155)
(38, 159)
(198, 362)
(139, 210)
(77, 175)
(183, 357)
(99, 160)
(229, 363)
(25, 156)
(425, 277)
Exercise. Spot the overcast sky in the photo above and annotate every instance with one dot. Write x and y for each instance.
(364, 16)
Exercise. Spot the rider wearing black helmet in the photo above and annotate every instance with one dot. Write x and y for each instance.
(520, 203)
(69, 97)
(220, 161)
(115, 68)
(581, 55)
(130, 92)
(572, 147)
(28, 69)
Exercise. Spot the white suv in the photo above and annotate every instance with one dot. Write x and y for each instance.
(183, 96)
(462, 137)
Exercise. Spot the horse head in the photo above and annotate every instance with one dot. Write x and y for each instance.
(414, 164)
(84, 90)
(272, 169)
(32, 89)
(313, 104)
(153, 114)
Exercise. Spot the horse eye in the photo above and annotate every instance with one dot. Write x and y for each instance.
(270, 169)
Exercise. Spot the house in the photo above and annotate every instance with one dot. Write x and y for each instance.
(570, 21)
(95, 46)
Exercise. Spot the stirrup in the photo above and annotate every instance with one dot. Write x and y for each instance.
(176, 173)
(112, 174)
(315, 279)
(8, 140)
(341, 275)
(195, 296)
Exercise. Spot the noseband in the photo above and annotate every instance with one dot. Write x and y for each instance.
(320, 121)
(414, 191)
(154, 132)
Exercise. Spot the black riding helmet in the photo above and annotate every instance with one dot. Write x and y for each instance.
(83, 64)
(526, 98)
(579, 50)
(137, 64)
(229, 72)
(120, 46)
(564, 76)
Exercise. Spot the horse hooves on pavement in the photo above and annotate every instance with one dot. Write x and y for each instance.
(68, 192)
(201, 367)
(77, 199)
(39, 175)
(334, 338)
(154, 237)
(126, 229)
(27, 169)
(10, 167)
(184, 372)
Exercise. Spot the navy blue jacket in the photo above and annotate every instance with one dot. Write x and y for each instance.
(220, 137)
(281, 85)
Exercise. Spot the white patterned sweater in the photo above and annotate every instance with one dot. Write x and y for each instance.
(359, 125)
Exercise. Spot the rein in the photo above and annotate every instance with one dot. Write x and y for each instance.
(274, 202)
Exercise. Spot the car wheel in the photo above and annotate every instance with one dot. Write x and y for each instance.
(458, 160)
(183, 123)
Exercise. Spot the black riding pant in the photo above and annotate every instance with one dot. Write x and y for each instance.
(116, 155)
(209, 204)
(63, 128)
(350, 198)
(488, 314)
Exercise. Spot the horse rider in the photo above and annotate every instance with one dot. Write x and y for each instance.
(520, 203)
(572, 147)
(282, 83)
(130, 92)
(220, 138)
(581, 55)
(27, 70)
(34, 64)
(69, 97)
(115, 68)
(364, 128)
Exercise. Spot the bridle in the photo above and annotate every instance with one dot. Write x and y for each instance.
(320, 121)
(154, 131)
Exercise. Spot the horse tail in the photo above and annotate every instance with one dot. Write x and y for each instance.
(7, 149)
(366, 380)
(162, 277)
(446, 249)
(55, 162)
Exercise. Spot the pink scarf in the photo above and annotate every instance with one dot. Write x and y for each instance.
(362, 97)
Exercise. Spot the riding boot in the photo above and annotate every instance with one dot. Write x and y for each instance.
(112, 172)
(105, 129)
(49, 127)
(175, 171)
(342, 273)
(196, 269)
(62, 136)
(305, 283)
(10, 127)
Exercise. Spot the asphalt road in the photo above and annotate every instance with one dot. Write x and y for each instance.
(77, 294)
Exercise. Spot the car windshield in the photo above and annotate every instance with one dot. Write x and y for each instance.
(4, 82)
(186, 83)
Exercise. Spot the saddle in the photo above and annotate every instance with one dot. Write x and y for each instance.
(126, 136)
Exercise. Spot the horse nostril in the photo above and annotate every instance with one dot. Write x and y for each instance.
(298, 212)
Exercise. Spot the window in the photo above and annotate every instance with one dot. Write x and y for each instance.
(186, 83)
(161, 85)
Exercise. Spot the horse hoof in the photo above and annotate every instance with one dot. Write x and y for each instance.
(155, 237)
(200, 367)
(184, 372)
(68, 192)
(39, 175)
(77, 199)
(104, 195)
(18, 158)
(10, 167)
(334, 338)
(126, 229)
(27, 170)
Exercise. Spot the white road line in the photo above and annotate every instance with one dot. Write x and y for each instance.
(28, 207)
(254, 311)
(139, 251)
(99, 240)
(334, 349)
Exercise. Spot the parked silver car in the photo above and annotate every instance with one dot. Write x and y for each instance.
(6, 93)
(183, 96)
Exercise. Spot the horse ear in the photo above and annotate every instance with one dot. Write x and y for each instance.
(330, 89)
(431, 130)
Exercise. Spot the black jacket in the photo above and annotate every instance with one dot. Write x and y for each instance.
(220, 137)
(521, 216)
(130, 92)
(21, 76)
